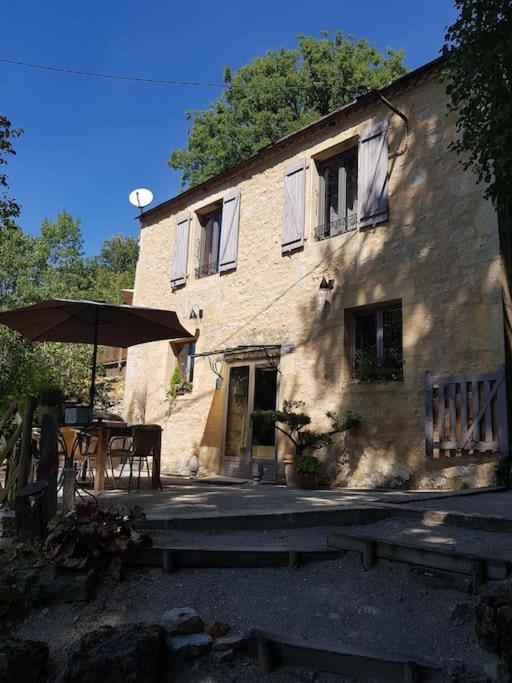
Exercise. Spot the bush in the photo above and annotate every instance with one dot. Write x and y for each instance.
(307, 464)
(92, 538)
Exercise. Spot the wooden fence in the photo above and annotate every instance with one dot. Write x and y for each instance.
(466, 413)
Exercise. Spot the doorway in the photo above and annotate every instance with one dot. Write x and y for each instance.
(251, 386)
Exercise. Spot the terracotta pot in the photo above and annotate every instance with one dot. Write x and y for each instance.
(289, 470)
(307, 481)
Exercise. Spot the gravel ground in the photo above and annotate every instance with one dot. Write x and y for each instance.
(386, 608)
(444, 537)
(315, 537)
(498, 503)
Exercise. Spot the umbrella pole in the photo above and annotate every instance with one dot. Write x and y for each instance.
(92, 390)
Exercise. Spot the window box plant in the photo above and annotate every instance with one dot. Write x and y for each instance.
(302, 470)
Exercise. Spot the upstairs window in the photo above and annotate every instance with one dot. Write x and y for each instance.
(338, 195)
(211, 224)
(378, 354)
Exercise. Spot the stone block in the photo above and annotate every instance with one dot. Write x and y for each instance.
(216, 629)
(189, 645)
(231, 642)
(182, 620)
(135, 652)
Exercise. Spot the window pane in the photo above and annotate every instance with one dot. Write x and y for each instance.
(351, 173)
(332, 198)
(366, 361)
(264, 435)
(211, 240)
(392, 342)
(238, 404)
(366, 333)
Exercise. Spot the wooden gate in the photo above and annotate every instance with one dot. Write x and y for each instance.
(466, 413)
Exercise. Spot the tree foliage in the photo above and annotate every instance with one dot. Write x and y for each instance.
(53, 264)
(479, 82)
(9, 209)
(276, 95)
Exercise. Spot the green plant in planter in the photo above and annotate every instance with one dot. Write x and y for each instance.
(293, 422)
(307, 464)
(51, 396)
(177, 385)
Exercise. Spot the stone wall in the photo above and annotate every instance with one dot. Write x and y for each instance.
(438, 254)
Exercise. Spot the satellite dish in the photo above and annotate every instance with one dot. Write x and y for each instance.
(140, 197)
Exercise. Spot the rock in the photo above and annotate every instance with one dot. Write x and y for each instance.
(189, 645)
(216, 629)
(120, 654)
(493, 626)
(182, 620)
(22, 660)
(235, 642)
(221, 656)
(461, 613)
(57, 586)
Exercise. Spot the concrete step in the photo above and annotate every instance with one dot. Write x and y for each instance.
(266, 520)
(275, 649)
(182, 557)
(373, 543)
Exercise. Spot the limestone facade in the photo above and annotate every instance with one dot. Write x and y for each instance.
(437, 255)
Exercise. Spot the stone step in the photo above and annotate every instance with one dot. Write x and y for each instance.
(274, 649)
(180, 557)
(373, 546)
(267, 520)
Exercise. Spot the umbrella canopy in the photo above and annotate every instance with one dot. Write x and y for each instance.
(89, 322)
(94, 322)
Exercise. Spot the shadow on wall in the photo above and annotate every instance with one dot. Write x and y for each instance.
(438, 255)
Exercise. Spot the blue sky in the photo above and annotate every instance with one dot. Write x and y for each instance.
(88, 142)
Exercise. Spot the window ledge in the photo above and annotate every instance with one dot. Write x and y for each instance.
(207, 270)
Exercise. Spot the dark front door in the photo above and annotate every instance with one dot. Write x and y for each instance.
(263, 439)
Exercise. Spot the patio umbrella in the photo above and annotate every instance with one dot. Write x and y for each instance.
(94, 322)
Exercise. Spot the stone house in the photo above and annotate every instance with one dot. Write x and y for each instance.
(336, 267)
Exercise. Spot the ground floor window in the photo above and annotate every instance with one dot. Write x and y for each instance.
(183, 373)
(377, 344)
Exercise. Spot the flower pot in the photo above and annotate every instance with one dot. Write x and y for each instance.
(289, 470)
(307, 481)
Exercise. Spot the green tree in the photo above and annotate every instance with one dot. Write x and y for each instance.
(478, 46)
(276, 95)
(53, 264)
(119, 254)
(9, 209)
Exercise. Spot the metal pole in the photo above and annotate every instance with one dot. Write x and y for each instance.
(92, 390)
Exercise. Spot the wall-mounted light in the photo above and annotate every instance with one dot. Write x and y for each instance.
(327, 285)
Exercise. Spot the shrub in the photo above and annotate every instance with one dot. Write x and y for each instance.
(92, 538)
(294, 425)
(307, 464)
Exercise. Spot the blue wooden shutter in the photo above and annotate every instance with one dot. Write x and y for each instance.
(229, 231)
(293, 215)
(180, 258)
(373, 175)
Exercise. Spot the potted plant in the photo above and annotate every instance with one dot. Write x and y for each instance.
(307, 470)
(302, 470)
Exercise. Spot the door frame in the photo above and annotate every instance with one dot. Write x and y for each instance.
(241, 467)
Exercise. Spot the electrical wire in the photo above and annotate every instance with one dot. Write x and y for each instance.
(140, 79)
